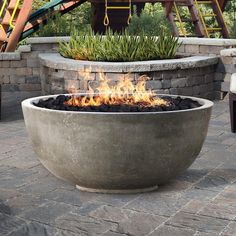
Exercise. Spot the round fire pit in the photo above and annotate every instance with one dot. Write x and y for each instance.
(117, 152)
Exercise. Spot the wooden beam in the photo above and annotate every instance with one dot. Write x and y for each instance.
(134, 1)
(168, 7)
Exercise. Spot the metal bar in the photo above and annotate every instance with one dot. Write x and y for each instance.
(13, 14)
(39, 17)
(180, 21)
(202, 18)
(3, 7)
(214, 29)
(204, 2)
(209, 15)
(118, 8)
(221, 17)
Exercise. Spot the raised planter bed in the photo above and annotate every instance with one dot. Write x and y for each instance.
(183, 76)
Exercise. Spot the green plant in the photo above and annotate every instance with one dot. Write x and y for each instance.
(78, 19)
(149, 22)
(115, 47)
(233, 30)
(167, 44)
(57, 26)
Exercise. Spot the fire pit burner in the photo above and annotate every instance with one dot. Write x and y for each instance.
(64, 102)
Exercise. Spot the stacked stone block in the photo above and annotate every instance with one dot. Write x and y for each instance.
(19, 79)
(192, 81)
(225, 68)
(203, 46)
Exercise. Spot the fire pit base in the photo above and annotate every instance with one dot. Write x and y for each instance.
(122, 191)
(117, 152)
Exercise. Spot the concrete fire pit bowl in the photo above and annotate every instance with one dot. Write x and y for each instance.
(116, 152)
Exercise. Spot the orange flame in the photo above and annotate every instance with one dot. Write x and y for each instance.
(124, 92)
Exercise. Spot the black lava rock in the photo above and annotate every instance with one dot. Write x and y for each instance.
(174, 104)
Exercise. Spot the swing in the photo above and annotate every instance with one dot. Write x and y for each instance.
(106, 21)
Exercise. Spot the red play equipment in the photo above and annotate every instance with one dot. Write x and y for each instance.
(17, 22)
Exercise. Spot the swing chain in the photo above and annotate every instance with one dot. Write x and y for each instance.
(130, 13)
(106, 18)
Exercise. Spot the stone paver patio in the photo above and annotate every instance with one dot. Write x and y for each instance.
(202, 201)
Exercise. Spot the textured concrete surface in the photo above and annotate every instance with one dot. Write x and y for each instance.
(188, 41)
(230, 52)
(116, 152)
(202, 201)
(56, 61)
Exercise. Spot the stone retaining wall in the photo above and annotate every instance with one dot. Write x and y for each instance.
(19, 76)
(19, 71)
(192, 76)
(226, 67)
(19, 79)
(205, 46)
(190, 46)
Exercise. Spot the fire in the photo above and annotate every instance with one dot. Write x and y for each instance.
(124, 92)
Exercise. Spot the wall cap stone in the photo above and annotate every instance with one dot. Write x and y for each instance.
(231, 52)
(56, 61)
(208, 41)
(10, 56)
(47, 40)
(24, 48)
(191, 41)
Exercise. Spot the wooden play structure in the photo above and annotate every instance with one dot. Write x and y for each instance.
(18, 22)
